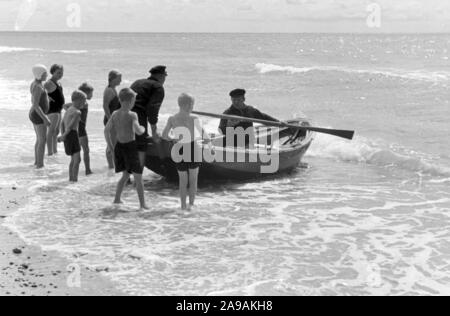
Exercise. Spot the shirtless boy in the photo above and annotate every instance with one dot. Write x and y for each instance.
(124, 125)
(69, 131)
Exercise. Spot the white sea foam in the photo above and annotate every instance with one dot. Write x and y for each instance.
(14, 94)
(75, 52)
(8, 49)
(234, 247)
(362, 150)
(12, 49)
(420, 75)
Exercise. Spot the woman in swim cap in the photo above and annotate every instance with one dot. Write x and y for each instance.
(110, 105)
(38, 113)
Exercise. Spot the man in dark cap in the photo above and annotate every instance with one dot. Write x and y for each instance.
(150, 96)
(239, 108)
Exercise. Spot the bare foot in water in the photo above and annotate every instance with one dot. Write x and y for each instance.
(89, 172)
(118, 202)
(144, 208)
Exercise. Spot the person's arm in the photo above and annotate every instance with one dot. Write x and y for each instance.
(108, 96)
(65, 130)
(63, 127)
(255, 113)
(167, 129)
(37, 95)
(67, 106)
(108, 130)
(153, 108)
(51, 87)
(138, 129)
(201, 130)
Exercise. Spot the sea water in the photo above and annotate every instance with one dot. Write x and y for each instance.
(368, 216)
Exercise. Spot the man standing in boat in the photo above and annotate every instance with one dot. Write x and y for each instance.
(150, 96)
(239, 108)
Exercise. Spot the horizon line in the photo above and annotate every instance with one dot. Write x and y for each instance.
(175, 32)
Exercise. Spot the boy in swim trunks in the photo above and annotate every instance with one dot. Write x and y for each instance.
(82, 132)
(69, 131)
(124, 125)
(185, 127)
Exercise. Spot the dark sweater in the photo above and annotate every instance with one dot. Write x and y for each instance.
(249, 112)
(150, 96)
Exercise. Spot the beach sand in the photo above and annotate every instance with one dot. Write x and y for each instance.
(26, 270)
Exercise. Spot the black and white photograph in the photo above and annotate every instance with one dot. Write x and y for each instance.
(224, 152)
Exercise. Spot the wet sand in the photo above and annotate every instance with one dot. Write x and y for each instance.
(26, 270)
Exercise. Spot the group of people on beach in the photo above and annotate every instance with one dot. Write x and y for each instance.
(126, 129)
(127, 114)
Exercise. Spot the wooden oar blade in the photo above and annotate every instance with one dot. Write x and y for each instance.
(335, 132)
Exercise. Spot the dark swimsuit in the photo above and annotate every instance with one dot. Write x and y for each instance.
(57, 100)
(190, 163)
(114, 105)
(43, 104)
(126, 158)
(82, 126)
(72, 143)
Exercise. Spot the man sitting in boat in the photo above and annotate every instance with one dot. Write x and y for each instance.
(239, 108)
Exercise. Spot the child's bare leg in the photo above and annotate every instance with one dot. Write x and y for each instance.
(193, 185)
(140, 190)
(71, 178)
(120, 186)
(84, 142)
(76, 160)
(76, 166)
(142, 157)
(184, 178)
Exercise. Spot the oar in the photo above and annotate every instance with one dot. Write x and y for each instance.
(335, 132)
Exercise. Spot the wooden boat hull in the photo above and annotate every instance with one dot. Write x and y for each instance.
(285, 158)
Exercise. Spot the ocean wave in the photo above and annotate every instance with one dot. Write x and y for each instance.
(9, 49)
(14, 94)
(418, 75)
(362, 150)
(75, 52)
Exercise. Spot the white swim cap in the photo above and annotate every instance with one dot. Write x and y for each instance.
(38, 71)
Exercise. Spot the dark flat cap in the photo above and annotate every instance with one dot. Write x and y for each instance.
(237, 93)
(159, 70)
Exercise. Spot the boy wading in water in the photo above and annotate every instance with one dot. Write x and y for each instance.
(185, 125)
(69, 131)
(124, 125)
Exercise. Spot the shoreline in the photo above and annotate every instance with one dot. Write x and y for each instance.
(27, 270)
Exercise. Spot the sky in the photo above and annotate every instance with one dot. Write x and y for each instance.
(292, 16)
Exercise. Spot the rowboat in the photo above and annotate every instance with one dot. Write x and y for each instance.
(275, 152)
